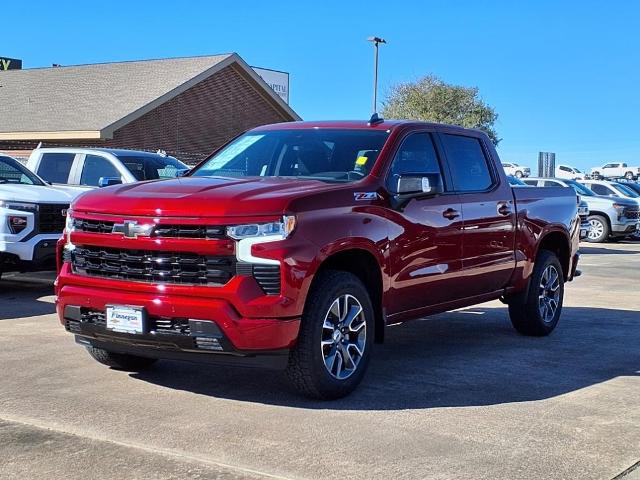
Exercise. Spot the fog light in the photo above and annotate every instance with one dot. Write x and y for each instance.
(17, 223)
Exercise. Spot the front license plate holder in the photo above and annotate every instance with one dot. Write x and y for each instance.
(126, 319)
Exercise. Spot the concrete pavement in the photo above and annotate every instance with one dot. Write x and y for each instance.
(459, 395)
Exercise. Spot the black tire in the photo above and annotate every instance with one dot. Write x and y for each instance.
(121, 361)
(518, 174)
(525, 308)
(602, 225)
(306, 369)
(629, 175)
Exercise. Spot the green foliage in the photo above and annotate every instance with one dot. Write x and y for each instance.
(430, 99)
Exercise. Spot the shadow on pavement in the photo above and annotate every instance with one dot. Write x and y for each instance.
(606, 251)
(20, 295)
(464, 358)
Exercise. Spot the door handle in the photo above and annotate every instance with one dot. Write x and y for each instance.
(451, 213)
(504, 209)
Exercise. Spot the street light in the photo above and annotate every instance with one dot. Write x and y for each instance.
(376, 41)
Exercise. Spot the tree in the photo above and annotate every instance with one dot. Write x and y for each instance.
(431, 99)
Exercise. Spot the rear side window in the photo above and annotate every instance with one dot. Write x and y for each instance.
(467, 162)
(600, 189)
(55, 167)
(548, 183)
(416, 155)
(96, 167)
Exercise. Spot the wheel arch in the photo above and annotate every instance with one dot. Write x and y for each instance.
(362, 263)
(557, 242)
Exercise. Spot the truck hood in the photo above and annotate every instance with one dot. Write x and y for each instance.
(201, 197)
(607, 202)
(37, 193)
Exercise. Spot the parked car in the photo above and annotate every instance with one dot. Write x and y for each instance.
(516, 182)
(585, 225)
(611, 189)
(633, 185)
(567, 171)
(610, 218)
(100, 167)
(516, 170)
(32, 218)
(615, 170)
(296, 244)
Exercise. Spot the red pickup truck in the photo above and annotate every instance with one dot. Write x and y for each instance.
(296, 244)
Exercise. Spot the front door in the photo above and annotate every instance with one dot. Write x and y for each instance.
(426, 241)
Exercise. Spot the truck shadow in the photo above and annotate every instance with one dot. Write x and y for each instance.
(26, 296)
(606, 251)
(465, 358)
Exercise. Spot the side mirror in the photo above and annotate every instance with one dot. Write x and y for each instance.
(409, 186)
(108, 181)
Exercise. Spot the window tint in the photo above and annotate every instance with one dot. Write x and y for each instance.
(467, 163)
(150, 167)
(416, 155)
(565, 169)
(96, 167)
(55, 167)
(600, 189)
(609, 165)
(548, 183)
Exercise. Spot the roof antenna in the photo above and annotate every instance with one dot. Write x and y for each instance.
(375, 120)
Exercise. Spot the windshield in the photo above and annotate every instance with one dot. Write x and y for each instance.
(147, 167)
(580, 189)
(11, 171)
(321, 154)
(626, 190)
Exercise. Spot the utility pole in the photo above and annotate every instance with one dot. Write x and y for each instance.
(376, 41)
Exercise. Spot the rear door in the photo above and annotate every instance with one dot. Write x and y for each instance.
(488, 242)
(426, 246)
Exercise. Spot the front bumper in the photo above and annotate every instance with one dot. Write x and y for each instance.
(37, 253)
(585, 228)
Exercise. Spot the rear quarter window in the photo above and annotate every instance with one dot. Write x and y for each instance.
(55, 167)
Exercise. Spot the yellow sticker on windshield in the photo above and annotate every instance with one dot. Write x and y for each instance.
(361, 160)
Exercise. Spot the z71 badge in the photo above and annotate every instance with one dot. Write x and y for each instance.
(365, 196)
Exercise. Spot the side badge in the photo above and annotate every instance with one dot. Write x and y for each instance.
(359, 196)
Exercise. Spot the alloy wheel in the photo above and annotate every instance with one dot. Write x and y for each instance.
(549, 293)
(344, 335)
(597, 229)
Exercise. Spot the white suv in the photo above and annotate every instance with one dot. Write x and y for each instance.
(567, 171)
(516, 170)
(32, 218)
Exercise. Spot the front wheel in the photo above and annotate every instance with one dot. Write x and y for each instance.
(518, 174)
(536, 312)
(336, 337)
(629, 176)
(599, 231)
(121, 361)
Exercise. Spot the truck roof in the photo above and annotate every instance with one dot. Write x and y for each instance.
(114, 151)
(360, 125)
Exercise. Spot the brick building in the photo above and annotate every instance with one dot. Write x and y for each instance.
(185, 106)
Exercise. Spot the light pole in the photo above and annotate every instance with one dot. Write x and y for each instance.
(376, 41)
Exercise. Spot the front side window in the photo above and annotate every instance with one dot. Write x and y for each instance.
(467, 162)
(416, 155)
(328, 155)
(96, 167)
(601, 189)
(55, 167)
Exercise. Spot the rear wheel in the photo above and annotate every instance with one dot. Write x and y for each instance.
(537, 311)
(336, 337)
(629, 176)
(518, 174)
(599, 230)
(121, 361)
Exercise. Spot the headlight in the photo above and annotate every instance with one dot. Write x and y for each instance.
(582, 211)
(281, 228)
(22, 206)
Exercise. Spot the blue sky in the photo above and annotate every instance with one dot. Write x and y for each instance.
(563, 76)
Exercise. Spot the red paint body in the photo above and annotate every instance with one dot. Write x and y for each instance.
(427, 263)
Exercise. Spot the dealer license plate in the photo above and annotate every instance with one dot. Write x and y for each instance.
(125, 319)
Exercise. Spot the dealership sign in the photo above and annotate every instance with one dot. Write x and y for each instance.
(278, 81)
(10, 63)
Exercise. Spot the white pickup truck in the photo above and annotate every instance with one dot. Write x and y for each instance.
(32, 218)
(615, 170)
(100, 167)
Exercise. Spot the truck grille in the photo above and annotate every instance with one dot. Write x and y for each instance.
(153, 266)
(51, 217)
(631, 213)
(161, 230)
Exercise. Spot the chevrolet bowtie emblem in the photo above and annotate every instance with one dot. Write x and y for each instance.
(131, 229)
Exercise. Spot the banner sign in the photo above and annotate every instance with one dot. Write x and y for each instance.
(10, 63)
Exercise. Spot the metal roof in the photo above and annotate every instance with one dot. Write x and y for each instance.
(91, 101)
